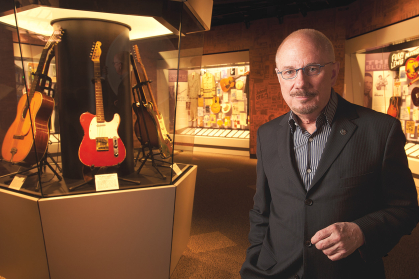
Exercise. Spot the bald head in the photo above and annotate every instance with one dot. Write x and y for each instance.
(308, 92)
(308, 36)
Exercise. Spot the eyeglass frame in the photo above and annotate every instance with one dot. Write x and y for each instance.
(303, 68)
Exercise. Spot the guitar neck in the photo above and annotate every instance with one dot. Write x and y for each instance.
(149, 87)
(39, 70)
(100, 115)
(138, 79)
(51, 55)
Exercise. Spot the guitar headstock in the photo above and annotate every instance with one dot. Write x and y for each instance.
(137, 54)
(54, 39)
(96, 51)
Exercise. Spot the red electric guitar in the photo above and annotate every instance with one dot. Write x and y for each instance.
(27, 138)
(101, 145)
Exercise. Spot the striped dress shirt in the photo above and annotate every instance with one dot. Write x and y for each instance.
(308, 148)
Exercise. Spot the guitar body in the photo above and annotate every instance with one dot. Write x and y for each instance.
(215, 107)
(92, 150)
(227, 83)
(20, 138)
(140, 128)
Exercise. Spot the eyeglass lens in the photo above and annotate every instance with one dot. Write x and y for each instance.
(310, 70)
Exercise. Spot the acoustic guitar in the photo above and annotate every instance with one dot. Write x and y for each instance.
(165, 142)
(228, 83)
(27, 138)
(145, 125)
(215, 106)
(101, 145)
(393, 108)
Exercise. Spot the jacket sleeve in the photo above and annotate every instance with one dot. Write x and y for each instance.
(258, 216)
(399, 215)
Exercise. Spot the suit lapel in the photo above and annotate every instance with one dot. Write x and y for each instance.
(284, 152)
(342, 130)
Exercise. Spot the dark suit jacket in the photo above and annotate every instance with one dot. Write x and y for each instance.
(362, 177)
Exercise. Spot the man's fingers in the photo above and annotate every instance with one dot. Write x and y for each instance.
(339, 240)
(322, 234)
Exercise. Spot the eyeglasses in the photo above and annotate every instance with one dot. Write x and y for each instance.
(309, 70)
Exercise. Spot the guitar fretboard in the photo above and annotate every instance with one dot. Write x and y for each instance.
(100, 115)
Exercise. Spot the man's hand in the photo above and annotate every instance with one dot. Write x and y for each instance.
(339, 240)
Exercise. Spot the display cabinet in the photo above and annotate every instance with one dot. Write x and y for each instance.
(381, 73)
(215, 97)
(89, 110)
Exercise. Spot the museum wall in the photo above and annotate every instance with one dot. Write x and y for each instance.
(264, 36)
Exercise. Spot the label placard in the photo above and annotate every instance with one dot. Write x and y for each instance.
(176, 169)
(105, 182)
(17, 182)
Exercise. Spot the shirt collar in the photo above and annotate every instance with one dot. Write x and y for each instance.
(328, 112)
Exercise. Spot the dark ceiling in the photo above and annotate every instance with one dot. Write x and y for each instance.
(234, 11)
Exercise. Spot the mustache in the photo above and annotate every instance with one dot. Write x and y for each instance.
(302, 93)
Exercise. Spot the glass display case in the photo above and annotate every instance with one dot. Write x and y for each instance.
(213, 106)
(92, 181)
(381, 73)
(89, 94)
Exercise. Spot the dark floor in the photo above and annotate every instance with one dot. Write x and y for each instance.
(223, 197)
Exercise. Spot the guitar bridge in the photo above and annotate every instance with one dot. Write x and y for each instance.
(102, 144)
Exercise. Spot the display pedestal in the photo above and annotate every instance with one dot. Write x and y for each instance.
(139, 233)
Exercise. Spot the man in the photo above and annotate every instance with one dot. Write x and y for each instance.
(334, 192)
(368, 90)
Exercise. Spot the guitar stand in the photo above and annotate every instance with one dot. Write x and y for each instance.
(42, 164)
(49, 92)
(144, 159)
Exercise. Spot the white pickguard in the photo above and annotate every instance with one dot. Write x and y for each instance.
(105, 129)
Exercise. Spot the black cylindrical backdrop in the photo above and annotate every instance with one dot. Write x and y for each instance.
(75, 87)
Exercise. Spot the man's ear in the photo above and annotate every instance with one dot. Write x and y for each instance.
(335, 72)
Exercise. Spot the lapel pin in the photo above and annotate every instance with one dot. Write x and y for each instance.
(343, 132)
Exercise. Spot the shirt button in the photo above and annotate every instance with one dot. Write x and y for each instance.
(308, 170)
(308, 243)
(310, 139)
(308, 202)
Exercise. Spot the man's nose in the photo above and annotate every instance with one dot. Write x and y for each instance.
(301, 79)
